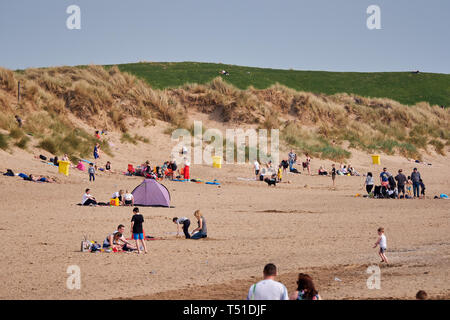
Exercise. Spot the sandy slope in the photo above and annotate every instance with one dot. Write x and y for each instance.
(303, 225)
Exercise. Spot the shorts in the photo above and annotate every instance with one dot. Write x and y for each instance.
(401, 189)
(385, 183)
(382, 250)
(128, 202)
(137, 236)
(256, 172)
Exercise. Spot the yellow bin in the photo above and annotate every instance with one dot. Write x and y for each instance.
(376, 159)
(217, 162)
(64, 167)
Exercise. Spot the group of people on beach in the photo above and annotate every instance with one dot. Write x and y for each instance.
(116, 241)
(168, 170)
(398, 187)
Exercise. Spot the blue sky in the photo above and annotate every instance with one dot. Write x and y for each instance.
(326, 35)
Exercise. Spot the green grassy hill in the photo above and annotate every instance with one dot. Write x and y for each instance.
(405, 87)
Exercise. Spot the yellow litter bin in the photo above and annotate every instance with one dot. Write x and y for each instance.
(64, 167)
(376, 159)
(217, 162)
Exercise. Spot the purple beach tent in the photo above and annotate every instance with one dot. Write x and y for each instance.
(152, 194)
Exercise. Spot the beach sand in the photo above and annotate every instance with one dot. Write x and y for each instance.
(301, 225)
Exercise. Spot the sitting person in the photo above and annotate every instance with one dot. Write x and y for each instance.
(272, 180)
(118, 195)
(88, 199)
(322, 171)
(108, 166)
(202, 231)
(117, 240)
(305, 290)
(129, 199)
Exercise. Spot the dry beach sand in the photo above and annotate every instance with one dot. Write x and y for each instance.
(301, 226)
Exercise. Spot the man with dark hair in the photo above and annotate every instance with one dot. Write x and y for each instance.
(268, 289)
(109, 241)
(421, 295)
(401, 181)
(88, 199)
(415, 178)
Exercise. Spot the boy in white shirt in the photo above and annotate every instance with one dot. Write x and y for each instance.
(382, 242)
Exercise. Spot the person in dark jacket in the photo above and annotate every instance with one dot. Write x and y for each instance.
(415, 177)
(401, 182)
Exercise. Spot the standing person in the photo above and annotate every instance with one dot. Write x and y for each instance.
(257, 168)
(308, 163)
(305, 289)
(422, 188)
(333, 174)
(415, 178)
(187, 164)
(292, 159)
(97, 151)
(369, 182)
(19, 121)
(137, 229)
(384, 178)
(129, 199)
(382, 243)
(285, 165)
(268, 289)
(401, 182)
(409, 187)
(202, 231)
(88, 199)
(185, 222)
(91, 172)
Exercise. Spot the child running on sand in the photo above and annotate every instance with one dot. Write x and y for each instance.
(382, 242)
(137, 230)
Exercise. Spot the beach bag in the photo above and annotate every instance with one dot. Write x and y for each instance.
(85, 245)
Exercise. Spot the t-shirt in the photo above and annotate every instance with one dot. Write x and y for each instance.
(85, 197)
(128, 196)
(415, 177)
(383, 241)
(369, 181)
(292, 156)
(268, 290)
(256, 165)
(91, 170)
(401, 179)
(181, 220)
(384, 176)
(138, 219)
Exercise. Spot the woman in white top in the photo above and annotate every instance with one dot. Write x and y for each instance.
(369, 182)
(129, 199)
